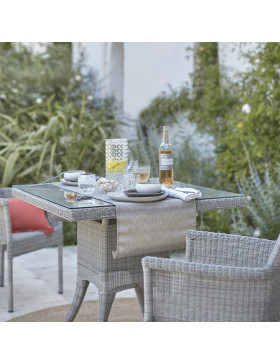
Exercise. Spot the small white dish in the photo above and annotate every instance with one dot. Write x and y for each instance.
(72, 176)
(69, 183)
(148, 187)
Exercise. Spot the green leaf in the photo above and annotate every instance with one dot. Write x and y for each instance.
(43, 154)
(29, 170)
(50, 124)
(53, 149)
(5, 137)
(10, 170)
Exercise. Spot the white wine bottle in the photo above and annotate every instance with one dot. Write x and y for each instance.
(166, 154)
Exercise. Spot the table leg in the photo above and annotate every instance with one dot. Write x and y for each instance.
(2, 262)
(80, 292)
(140, 295)
(105, 303)
(95, 263)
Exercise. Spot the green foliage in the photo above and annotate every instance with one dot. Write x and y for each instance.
(28, 77)
(189, 165)
(216, 221)
(50, 138)
(51, 118)
(214, 105)
(164, 109)
(259, 130)
(261, 217)
(217, 108)
(69, 233)
(213, 93)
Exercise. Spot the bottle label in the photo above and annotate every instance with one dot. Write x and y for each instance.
(166, 162)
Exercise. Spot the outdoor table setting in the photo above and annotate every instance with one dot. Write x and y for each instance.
(123, 218)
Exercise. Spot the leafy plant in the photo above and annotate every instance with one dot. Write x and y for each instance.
(50, 139)
(261, 217)
(241, 116)
(164, 109)
(257, 128)
(31, 74)
(193, 161)
(51, 117)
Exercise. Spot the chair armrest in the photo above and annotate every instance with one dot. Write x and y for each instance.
(207, 270)
(227, 250)
(186, 291)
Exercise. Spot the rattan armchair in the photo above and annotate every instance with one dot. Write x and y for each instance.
(22, 243)
(224, 278)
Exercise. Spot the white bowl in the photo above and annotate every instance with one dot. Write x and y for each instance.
(72, 175)
(148, 187)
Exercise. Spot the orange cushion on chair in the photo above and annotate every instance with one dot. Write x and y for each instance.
(26, 217)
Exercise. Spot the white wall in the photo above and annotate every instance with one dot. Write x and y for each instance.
(150, 67)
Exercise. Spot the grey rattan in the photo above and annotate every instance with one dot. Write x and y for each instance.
(22, 243)
(224, 278)
(110, 212)
(95, 242)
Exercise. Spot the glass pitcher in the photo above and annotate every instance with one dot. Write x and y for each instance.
(119, 159)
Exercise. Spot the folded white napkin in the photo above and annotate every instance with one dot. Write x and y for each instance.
(185, 194)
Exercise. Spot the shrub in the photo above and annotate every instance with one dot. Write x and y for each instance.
(215, 105)
(51, 117)
(261, 216)
(50, 138)
(29, 76)
(258, 129)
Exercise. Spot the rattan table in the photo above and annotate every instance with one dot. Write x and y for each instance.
(96, 239)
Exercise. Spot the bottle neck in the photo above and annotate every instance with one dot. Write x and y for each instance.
(165, 134)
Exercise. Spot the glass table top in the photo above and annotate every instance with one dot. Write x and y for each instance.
(55, 194)
(209, 193)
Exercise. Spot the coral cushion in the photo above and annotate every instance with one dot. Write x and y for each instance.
(26, 217)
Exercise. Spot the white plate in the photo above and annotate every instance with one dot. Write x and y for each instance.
(120, 196)
(73, 175)
(70, 183)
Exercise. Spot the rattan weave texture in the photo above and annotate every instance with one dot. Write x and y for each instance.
(22, 243)
(97, 240)
(110, 212)
(224, 278)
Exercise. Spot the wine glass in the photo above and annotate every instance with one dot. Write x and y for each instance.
(142, 170)
(87, 183)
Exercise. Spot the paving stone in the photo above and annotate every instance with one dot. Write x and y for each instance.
(36, 280)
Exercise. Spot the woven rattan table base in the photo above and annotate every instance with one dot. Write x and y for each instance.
(96, 241)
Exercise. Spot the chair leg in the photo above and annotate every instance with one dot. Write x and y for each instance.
(80, 292)
(105, 303)
(140, 295)
(10, 285)
(60, 268)
(2, 263)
